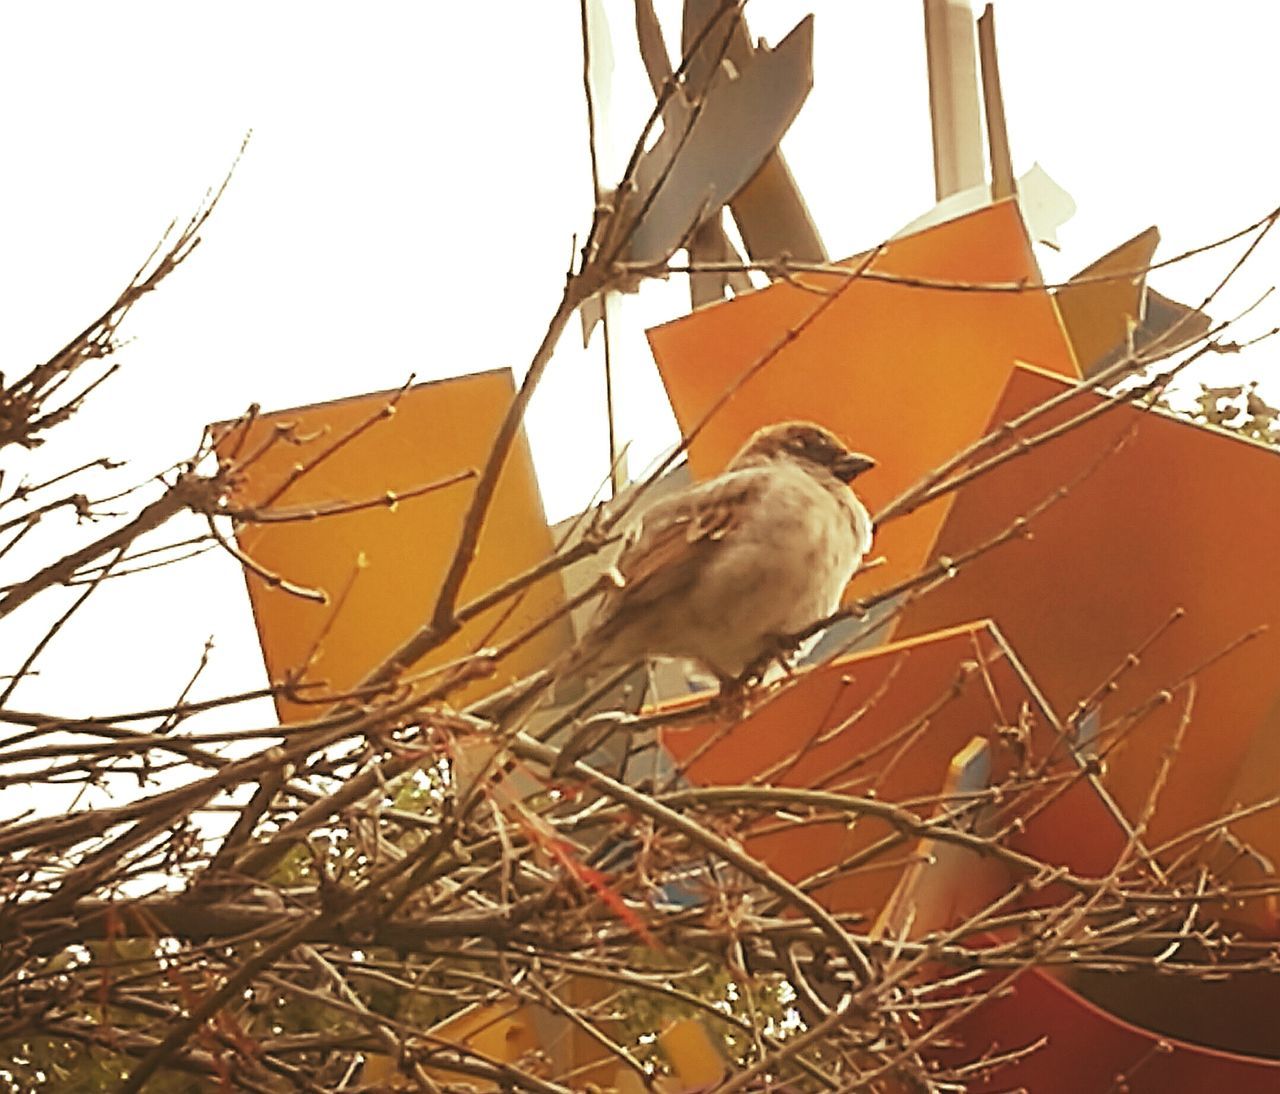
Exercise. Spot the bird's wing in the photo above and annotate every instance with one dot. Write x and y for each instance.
(676, 539)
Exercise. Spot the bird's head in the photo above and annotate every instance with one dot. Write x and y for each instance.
(804, 441)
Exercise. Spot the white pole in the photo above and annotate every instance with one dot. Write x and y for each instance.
(958, 161)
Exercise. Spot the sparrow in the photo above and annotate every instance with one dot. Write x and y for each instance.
(725, 570)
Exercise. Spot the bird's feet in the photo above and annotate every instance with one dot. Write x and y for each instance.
(780, 650)
(737, 693)
(732, 701)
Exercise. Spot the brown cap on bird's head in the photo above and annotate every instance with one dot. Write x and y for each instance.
(806, 441)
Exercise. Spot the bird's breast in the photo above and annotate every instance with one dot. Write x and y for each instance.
(791, 558)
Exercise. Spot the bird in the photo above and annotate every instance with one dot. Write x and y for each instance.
(726, 570)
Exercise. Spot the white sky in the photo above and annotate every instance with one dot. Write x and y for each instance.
(410, 195)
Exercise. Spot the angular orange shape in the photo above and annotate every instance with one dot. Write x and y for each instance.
(1178, 517)
(1098, 307)
(886, 724)
(908, 374)
(382, 566)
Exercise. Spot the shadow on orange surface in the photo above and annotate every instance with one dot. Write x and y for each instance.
(1088, 1049)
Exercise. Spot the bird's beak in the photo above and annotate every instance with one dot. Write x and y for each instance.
(849, 466)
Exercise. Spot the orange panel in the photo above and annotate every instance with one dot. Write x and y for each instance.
(907, 374)
(904, 686)
(437, 429)
(893, 717)
(1179, 517)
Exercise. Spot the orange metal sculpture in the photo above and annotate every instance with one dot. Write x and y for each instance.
(904, 371)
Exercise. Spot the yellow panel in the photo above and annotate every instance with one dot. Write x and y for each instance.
(907, 374)
(1097, 314)
(510, 1032)
(698, 1061)
(437, 429)
(945, 883)
(502, 1032)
